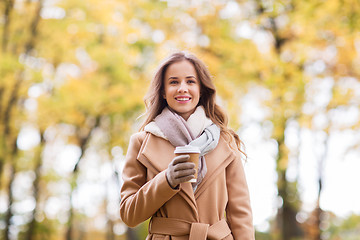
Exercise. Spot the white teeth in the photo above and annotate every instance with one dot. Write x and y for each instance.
(183, 99)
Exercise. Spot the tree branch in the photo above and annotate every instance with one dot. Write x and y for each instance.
(9, 4)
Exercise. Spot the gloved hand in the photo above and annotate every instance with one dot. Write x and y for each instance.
(180, 170)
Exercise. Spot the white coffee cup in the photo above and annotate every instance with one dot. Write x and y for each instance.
(193, 152)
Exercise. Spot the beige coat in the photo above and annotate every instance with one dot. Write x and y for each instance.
(222, 194)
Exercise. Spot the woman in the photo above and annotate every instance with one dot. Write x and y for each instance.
(181, 110)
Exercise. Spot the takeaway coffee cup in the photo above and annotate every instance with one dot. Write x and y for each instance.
(193, 152)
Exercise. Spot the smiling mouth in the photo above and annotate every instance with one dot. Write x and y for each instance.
(182, 99)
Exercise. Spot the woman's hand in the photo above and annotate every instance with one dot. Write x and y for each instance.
(180, 170)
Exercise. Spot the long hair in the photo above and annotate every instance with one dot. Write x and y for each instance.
(155, 103)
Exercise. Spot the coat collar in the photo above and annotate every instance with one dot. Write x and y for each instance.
(156, 153)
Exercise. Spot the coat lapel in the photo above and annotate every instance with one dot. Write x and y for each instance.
(216, 161)
(156, 154)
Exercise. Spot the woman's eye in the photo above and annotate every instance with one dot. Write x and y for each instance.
(173, 82)
(191, 81)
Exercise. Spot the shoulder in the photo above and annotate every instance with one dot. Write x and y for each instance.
(138, 136)
(137, 139)
(228, 144)
(153, 128)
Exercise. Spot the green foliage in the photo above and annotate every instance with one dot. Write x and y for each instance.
(262, 236)
(347, 229)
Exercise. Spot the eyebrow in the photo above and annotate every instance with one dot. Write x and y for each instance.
(191, 76)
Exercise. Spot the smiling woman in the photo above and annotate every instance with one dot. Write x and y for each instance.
(182, 89)
(181, 111)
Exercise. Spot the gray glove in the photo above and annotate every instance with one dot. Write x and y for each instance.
(179, 171)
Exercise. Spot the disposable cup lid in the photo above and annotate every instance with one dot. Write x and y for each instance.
(187, 149)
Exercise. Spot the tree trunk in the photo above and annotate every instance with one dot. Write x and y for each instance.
(286, 218)
(290, 228)
(110, 223)
(9, 152)
(83, 142)
(29, 235)
(19, 77)
(131, 234)
(70, 224)
(5, 38)
(318, 211)
(33, 28)
(110, 232)
(69, 230)
(9, 213)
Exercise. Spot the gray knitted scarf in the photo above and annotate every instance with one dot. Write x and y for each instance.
(177, 131)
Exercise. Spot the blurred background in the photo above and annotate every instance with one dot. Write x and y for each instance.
(72, 79)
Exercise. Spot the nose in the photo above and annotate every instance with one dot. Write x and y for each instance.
(183, 87)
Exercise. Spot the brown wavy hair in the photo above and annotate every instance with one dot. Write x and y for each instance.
(155, 103)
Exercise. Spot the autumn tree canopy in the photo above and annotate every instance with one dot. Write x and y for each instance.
(72, 79)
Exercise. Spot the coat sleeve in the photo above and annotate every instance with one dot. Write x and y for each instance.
(140, 198)
(238, 211)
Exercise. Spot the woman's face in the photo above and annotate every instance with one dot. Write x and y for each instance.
(182, 88)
